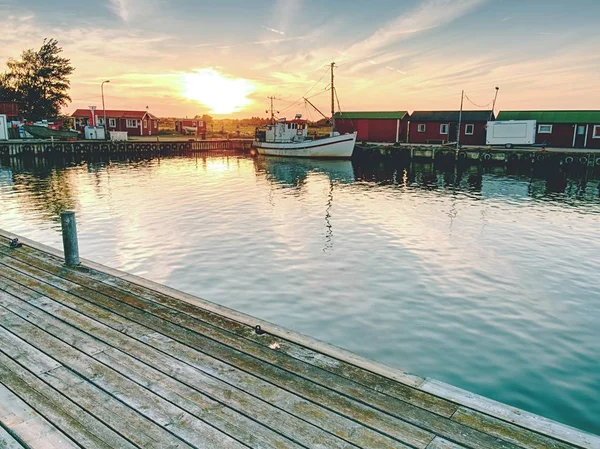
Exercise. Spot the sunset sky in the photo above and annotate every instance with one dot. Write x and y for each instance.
(182, 58)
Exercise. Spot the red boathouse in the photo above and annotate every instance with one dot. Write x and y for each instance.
(135, 123)
(442, 127)
(561, 129)
(374, 126)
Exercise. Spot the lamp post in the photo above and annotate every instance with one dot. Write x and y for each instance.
(104, 109)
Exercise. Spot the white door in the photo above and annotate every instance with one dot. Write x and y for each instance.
(3, 128)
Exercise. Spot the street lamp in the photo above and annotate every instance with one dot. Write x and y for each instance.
(104, 109)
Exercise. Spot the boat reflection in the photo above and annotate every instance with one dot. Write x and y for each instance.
(293, 172)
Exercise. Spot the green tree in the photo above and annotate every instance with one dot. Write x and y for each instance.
(39, 81)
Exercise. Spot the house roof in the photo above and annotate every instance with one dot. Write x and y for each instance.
(371, 115)
(450, 116)
(113, 114)
(573, 117)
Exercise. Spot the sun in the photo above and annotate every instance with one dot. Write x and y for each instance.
(223, 95)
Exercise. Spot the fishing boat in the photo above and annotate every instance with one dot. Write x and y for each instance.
(290, 138)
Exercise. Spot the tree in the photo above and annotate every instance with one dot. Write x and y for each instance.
(39, 81)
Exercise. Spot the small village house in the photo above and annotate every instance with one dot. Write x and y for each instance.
(191, 126)
(442, 126)
(135, 123)
(10, 109)
(374, 126)
(561, 129)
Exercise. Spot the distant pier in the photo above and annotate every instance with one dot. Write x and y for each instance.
(91, 357)
(93, 147)
(482, 154)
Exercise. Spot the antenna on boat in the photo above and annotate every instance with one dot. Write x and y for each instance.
(332, 101)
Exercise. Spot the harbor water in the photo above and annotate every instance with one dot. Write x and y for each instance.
(485, 278)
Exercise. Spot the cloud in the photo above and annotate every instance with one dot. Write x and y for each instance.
(273, 30)
(428, 15)
(128, 10)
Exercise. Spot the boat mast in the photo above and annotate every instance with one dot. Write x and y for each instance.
(332, 101)
(272, 113)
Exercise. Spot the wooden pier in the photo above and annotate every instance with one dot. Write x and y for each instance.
(93, 147)
(482, 154)
(91, 357)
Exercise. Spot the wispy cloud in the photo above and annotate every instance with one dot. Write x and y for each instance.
(428, 15)
(127, 10)
(273, 30)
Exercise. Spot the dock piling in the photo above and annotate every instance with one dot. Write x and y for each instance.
(69, 235)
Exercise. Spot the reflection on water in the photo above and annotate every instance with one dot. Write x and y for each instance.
(485, 277)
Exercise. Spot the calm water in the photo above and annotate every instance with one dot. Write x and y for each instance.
(484, 279)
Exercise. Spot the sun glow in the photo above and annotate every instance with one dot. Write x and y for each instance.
(221, 94)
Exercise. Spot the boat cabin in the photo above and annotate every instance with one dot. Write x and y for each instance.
(284, 130)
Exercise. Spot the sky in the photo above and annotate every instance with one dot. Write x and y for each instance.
(224, 58)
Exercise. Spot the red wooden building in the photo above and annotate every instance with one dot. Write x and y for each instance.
(562, 129)
(135, 123)
(191, 126)
(442, 127)
(10, 109)
(374, 126)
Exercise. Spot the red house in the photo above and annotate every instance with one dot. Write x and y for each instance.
(191, 126)
(562, 129)
(374, 126)
(10, 109)
(135, 123)
(442, 127)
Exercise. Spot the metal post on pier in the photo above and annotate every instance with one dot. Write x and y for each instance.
(69, 235)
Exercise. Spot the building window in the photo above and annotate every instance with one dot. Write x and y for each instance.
(545, 129)
(112, 123)
(469, 130)
(100, 121)
(421, 127)
(145, 124)
(580, 130)
(131, 123)
(444, 128)
(596, 133)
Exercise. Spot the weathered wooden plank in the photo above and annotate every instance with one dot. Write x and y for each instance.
(57, 409)
(351, 409)
(509, 432)
(7, 441)
(440, 443)
(195, 432)
(29, 426)
(252, 406)
(513, 415)
(19, 350)
(138, 429)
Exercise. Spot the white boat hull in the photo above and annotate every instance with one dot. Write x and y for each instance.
(338, 147)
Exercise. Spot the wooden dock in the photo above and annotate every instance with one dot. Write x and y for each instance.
(91, 357)
(95, 147)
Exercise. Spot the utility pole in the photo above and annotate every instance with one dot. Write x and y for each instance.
(332, 101)
(494, 104)
(104, 109)
(462, 98)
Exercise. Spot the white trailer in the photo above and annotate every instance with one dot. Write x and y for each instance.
(512, 132)
(3, 128)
